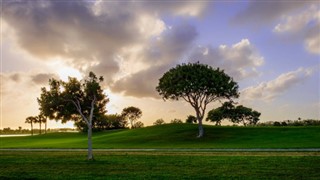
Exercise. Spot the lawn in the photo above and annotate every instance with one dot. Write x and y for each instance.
(157, 165)
(177, 136)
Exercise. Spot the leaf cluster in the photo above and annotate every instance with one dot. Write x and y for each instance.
(236, 114)
(61, 100)
(195, 79)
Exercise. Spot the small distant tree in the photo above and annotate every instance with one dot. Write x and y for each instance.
(176, 121)
(159, 122)
(220, 113)
(238, 114)
(199, 85)
(191, 119)
(132, 114)
(30, 120)
(138, 124)
(276, 123)
(245, 115)
(284, 123)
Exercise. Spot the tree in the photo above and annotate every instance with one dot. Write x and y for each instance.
(75, 100)
(245, 115)
(159, 122)
(138, 124)
(191, 119)
(236, 114)
(40, 119)
(199, 85)
(132, 114)
(176, 121)
(31, 120)
(220, 113)
(41, 101)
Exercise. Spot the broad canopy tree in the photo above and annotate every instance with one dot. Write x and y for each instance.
(199, 85)
(236, 114)
(131, 114)
(75, 100)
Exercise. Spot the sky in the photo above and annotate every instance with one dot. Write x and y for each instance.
(271, 48)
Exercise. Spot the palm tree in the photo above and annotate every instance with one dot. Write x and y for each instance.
(41, 119)
(31, 120)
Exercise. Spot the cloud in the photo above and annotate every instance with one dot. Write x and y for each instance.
(42, 78)
(294, 19)
(90, 35)
(266, 12)
(306, 22)
(268, 91)
(239, 60)
(159, 56)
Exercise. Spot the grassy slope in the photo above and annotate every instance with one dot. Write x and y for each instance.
(177, 136)
(72, 165)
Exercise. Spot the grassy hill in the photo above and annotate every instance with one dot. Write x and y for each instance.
(177, 136)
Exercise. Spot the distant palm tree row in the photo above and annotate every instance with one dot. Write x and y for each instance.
(37, 119)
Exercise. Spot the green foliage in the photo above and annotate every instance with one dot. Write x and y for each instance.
(195, 79)
(159, 122)
(245, 115)
(236, 114)
(64, 100)
(138, 124)
(176, 121)
(199, 85)
(132, 114)
(191, 119)
(306, 122)
(103, 122)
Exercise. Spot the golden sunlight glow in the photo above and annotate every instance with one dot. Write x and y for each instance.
(64, 71)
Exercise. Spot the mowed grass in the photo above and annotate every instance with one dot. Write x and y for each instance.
(122, 165)
(177, 136)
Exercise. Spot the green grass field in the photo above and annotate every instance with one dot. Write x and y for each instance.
(130, 165)
(166, 164)
(177, 136)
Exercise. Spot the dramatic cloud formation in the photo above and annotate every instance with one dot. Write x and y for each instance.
(240, 60)
(86, 34)
(268, 91)
(164, 53)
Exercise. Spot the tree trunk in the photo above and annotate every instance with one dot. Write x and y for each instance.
(131, 124)
(90, 153)
(199, 117)
(201, 131)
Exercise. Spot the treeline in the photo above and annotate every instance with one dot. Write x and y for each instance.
(108, 122)
(306, 122)
(8, 130)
